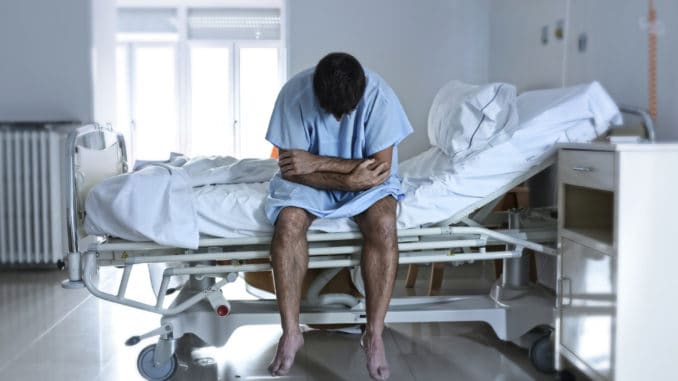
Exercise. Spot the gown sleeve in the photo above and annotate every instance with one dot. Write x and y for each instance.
(286, 129)
(387, 124)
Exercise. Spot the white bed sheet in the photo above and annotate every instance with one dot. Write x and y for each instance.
(436, 187)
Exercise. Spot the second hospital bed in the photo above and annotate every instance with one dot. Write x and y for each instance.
(210, 233)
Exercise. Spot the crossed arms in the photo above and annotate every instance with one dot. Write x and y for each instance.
(331, 173)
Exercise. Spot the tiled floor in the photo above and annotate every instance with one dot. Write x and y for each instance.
(49, 333)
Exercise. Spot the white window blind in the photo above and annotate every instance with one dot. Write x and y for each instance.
(147, 20)
(233, 24)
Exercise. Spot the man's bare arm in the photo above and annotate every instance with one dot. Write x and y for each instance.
(384, 156)
(365, 175)
(299, 162)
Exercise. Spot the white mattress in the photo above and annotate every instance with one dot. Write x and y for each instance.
(167, 207)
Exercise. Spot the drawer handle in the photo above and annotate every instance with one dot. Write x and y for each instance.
(583, 169)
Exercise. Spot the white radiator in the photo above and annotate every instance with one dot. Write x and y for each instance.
(32, 218)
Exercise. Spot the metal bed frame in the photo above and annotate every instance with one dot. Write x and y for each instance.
(513, 307)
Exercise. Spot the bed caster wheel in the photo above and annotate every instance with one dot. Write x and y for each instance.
(149, 371)
(542, 354)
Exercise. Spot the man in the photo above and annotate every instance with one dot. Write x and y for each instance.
(336, 127)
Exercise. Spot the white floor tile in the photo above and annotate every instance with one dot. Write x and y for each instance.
(48, 333)
(339, 356)
(473, 354)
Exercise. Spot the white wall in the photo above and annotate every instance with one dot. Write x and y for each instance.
(103, 29)
(517, 54)
(45, 71)
(616, 54)
(417, 46)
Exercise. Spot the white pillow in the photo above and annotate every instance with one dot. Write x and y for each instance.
(466, 118)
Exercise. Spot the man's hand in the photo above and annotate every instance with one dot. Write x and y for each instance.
(368, 174)
(297, 162)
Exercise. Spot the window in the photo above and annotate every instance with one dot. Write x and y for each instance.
(199, 81)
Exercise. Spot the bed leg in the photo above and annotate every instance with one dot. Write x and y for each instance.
(164, 350)
(516, 272)
(74, 272)
(412, 271)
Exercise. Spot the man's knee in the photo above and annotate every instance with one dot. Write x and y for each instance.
(292, 222)
(379, 220)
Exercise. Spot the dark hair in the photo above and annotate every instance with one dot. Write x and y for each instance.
(339, 83)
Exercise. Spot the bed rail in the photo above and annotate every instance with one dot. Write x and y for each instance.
(504, 236)
(95, 137)
(433, 245)
(648, 123)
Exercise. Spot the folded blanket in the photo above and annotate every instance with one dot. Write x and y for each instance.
(157, 202)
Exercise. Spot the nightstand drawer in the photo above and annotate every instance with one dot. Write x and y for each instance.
(587, 168)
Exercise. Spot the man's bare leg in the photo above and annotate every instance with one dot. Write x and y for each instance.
(379, 264)
(289, 257)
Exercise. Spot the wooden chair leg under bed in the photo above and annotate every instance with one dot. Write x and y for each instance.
(435, 280)
(412, 271)
(518, 197)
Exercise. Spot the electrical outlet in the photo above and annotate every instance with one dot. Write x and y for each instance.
(582, 42)
(545, 35)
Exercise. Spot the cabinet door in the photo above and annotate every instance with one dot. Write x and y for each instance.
(588, 297)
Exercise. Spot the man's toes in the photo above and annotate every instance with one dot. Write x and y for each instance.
(285, 367)
(376, 372)
(273, 368)
(280, 367)
(384, 373)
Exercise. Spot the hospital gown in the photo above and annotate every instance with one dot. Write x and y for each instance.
(298, 122)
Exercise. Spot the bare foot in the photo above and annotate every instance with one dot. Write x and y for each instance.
(377, 366)
(288, 346)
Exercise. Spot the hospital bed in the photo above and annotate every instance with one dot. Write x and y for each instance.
(456, 234)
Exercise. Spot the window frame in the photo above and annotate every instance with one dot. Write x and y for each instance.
(131, 46)
(282, 70)
(183, 67)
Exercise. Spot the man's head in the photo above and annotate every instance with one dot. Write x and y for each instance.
(339, 83)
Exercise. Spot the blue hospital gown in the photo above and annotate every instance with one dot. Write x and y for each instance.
(298, 122)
